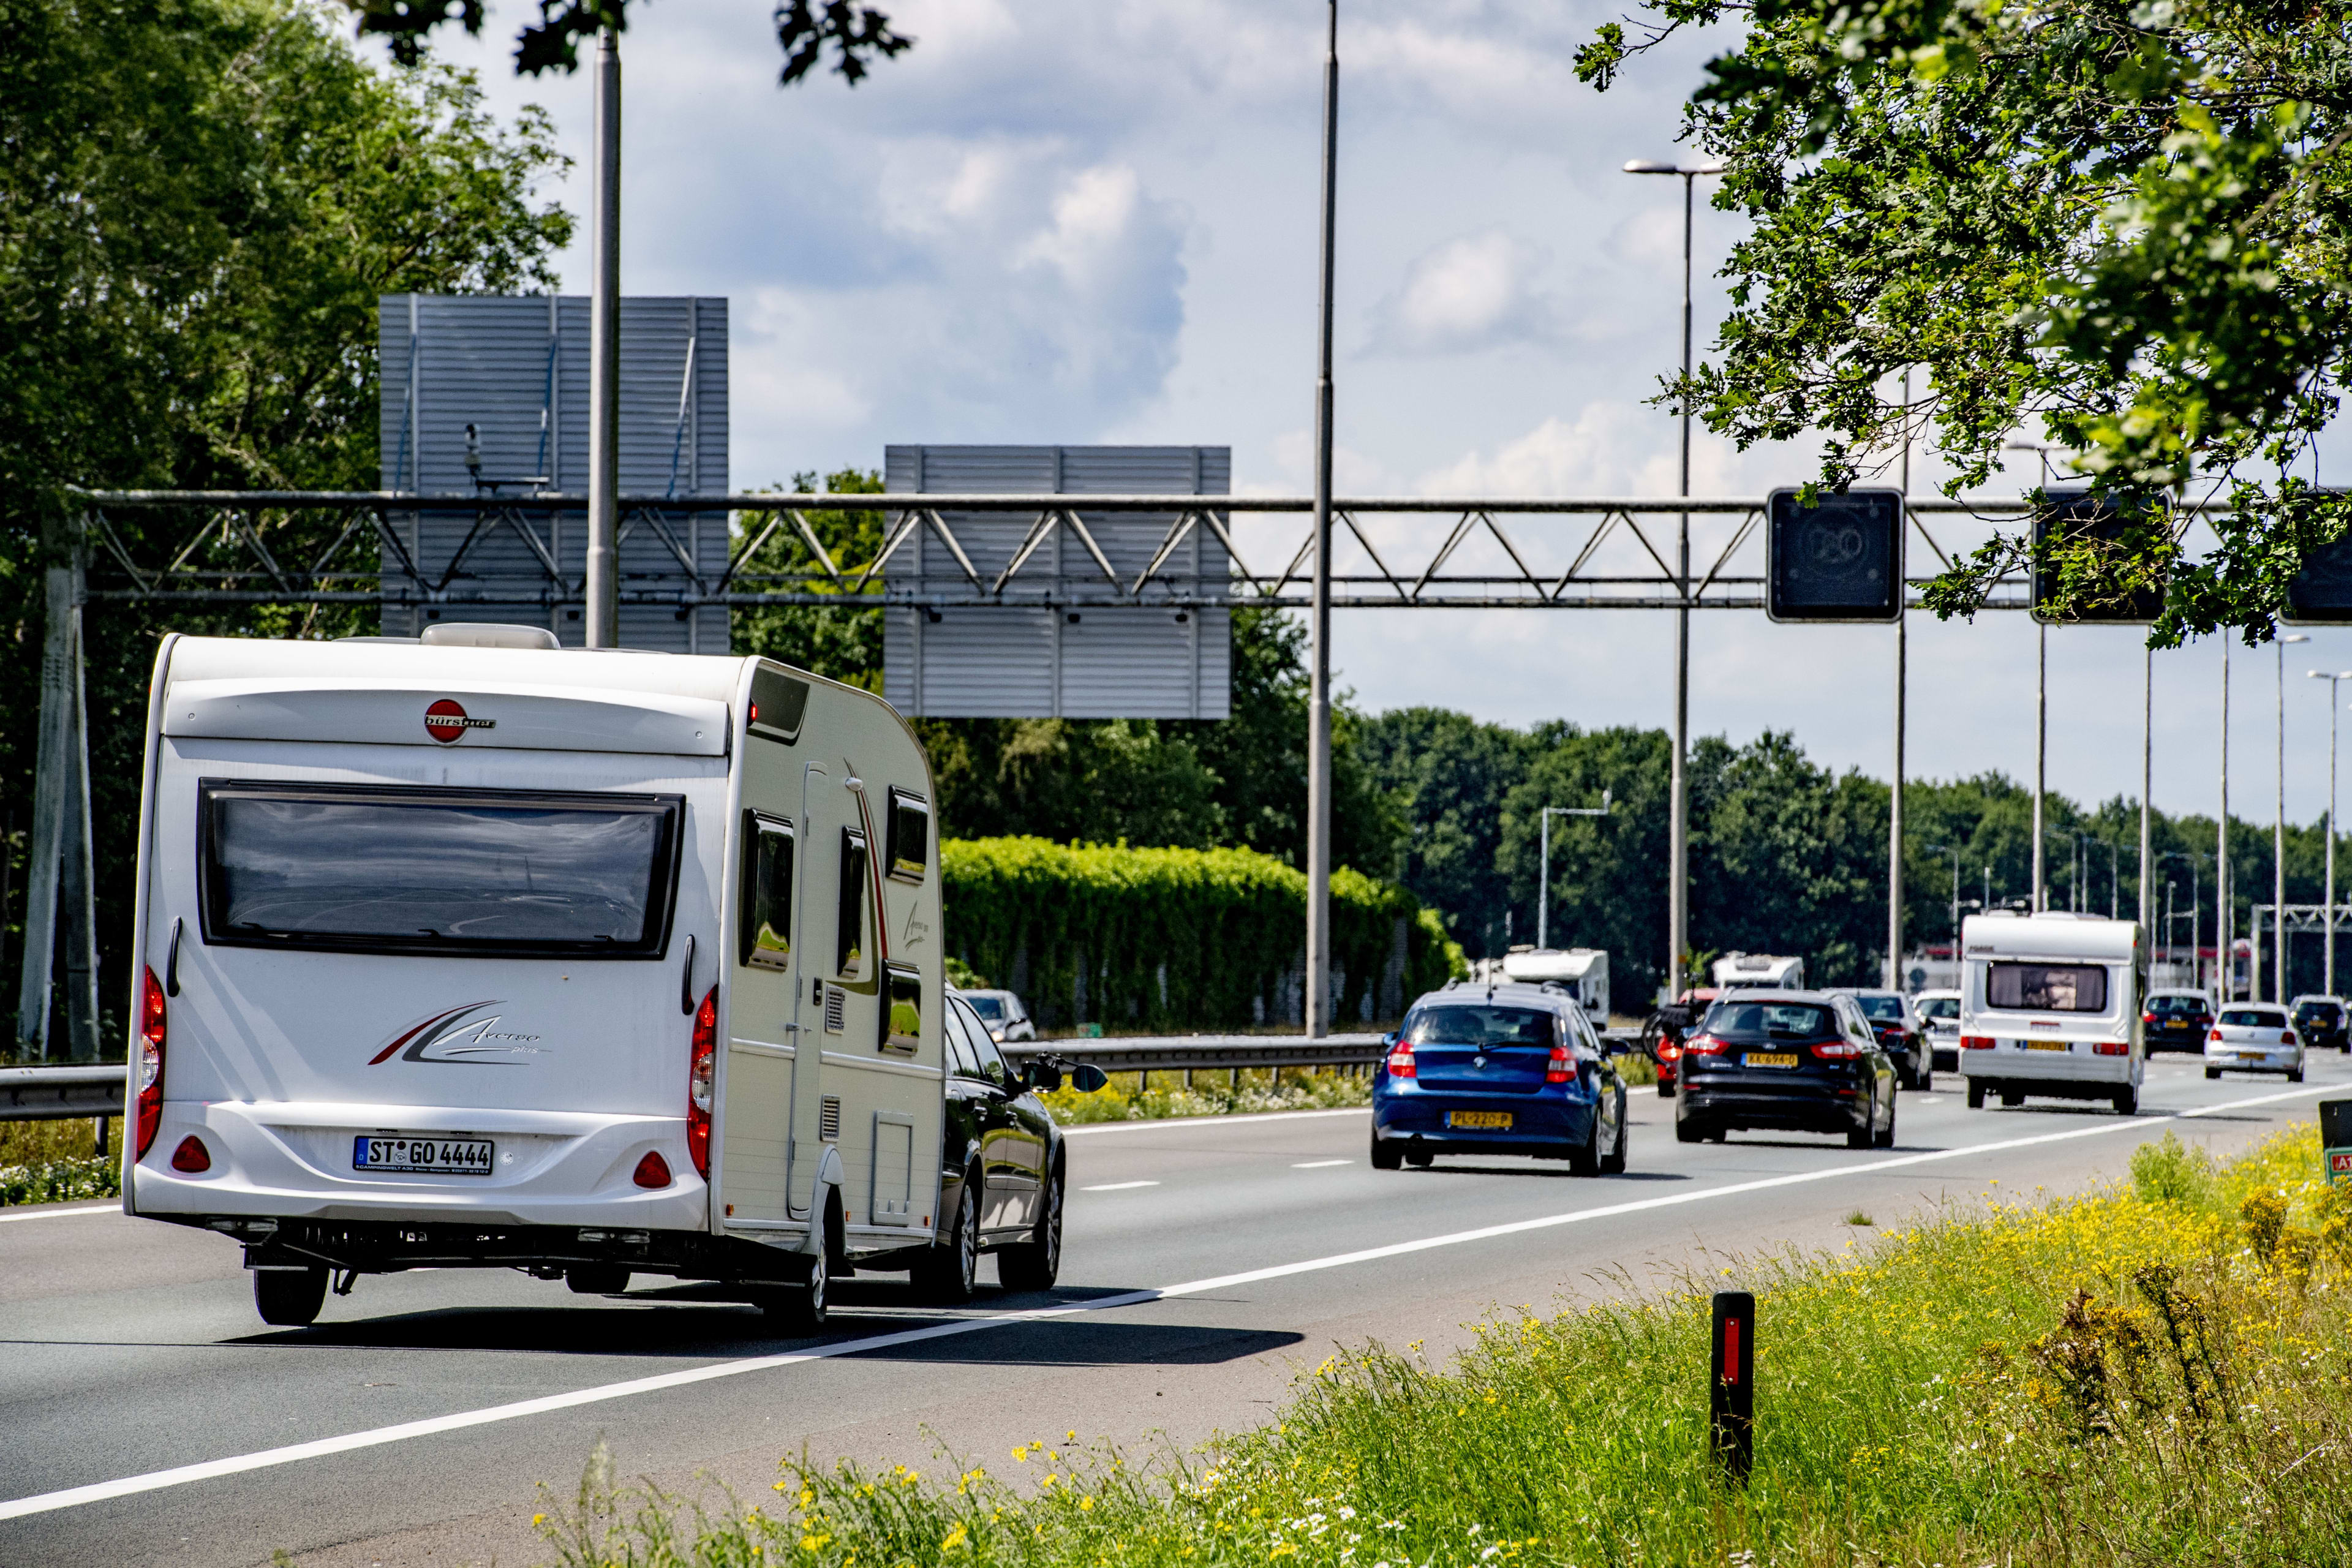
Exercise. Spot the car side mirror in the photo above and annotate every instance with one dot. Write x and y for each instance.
(1088, 1078)
(1041, 1073)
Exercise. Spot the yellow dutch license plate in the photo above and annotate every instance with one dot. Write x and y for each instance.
(2045, 1045)
(1488, 1121)
(1769, 1059)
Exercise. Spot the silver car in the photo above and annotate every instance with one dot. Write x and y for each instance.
(2253, 1040)
(1001, 1011)
(1939, 1015)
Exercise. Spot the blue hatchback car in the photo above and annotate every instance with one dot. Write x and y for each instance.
(1498, 1070)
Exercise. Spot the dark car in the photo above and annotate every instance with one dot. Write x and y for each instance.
(2176, 1021)
(1802, 1061)
(1498, 1070)
(1662, 1036)
(2320, 1020)
(1900, 1034)
(1001, 1178)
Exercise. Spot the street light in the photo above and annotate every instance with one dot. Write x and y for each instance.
(2225, 910)
(1543, 891)
(1954, 852)
(2327, 922)
(2193, 857)
(1678, 790)
(2040, 695)
(2278, 836)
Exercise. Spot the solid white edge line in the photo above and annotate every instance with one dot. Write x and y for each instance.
(1117, 1186)
(1319, 1164)
(157, 1480)
(6, 1218)
(1236, 1118)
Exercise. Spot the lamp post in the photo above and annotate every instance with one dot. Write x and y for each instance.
(2278, 837)
(601, 626)
(2041, 451)
(1679, 789)
(2224, 914)
(2192, 857)
(2327, 920)
(1954, 852)
(1543, 889)
(1318, 632)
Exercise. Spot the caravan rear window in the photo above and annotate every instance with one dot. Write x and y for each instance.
(393, 868)
(2047, 987)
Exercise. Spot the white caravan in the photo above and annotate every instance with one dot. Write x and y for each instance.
(1738, 969)
(1582, 972)
(2050, 1004)
(476, 951)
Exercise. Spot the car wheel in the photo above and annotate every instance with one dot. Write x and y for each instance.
(797, 1310)
(1976, 1096)
(1665, 1088)
(596, 1278)
(949, 1271)
(1689, 1129)
(1386, 1155)
(1419, 1158)
(1035, 1263)
(1885, 1138)
(1614, 1162)
(2212, 1074)
(2127, 1100)
(1927, 1081)
(1584, 1160)
(1863, 1137)
(2294, 1074)
(290, 1298)
(2012, 1097)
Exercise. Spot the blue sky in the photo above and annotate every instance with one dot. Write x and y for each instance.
(1065, 222)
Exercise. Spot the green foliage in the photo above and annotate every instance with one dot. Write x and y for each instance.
(2102, 1382)
(1125, 1099)
(1166, 939)
(2125, 225)
(2169, 1170)
(843, 645)
(59, 1180)
(805, 31)
(204, 199)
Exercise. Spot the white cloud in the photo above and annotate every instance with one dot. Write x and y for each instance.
(1469, 294)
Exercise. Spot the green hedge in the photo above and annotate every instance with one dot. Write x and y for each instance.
(1179, 939)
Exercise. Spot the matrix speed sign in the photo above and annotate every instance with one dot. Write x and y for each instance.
(1840, 559)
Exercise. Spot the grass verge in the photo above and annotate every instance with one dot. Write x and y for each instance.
(1211, 1093)
(2157, 1373)
(52, 1162)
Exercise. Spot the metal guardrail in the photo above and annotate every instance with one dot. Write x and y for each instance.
(1172, 1053)
(59, 1093)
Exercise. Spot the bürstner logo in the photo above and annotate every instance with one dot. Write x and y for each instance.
(444, 721)
(460, 1036)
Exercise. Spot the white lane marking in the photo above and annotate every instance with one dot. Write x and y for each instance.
(61, 1213)
(1240, 1119)
(1117, 1186)
(1319, 1164)
(237, 1463)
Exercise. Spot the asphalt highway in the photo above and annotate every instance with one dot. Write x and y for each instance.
(149, 1417)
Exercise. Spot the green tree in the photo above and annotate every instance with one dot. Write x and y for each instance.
(2124, 224)
(1450, 776)
(200, 202)
(846, 643)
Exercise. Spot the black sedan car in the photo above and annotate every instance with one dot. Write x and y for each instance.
(2176, 1021)
(1900, 1034)
(2320, 1020)
(1001, 1177)
(1800, 1061)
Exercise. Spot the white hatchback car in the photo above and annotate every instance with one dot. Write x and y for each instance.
(1008, 1021)
(2253, 1040)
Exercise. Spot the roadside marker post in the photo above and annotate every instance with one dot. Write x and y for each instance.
(1731, 1393)
(2335, 1139)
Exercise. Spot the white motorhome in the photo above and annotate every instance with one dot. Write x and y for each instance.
(472, 951)
(1582, 972)
(1737, 969)
(2050, 1004)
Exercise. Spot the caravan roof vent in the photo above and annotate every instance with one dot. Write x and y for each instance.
(487, 633)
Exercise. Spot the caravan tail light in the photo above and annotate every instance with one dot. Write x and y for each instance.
(1976, 1042)
(1561, 1069)
(2111, 1048)
(154, 1025)
(1399, 1062)
(700, 1080)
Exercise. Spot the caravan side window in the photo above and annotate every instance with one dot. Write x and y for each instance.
(766, 942)
(849, 934)
(902, 1014)
(911, 836)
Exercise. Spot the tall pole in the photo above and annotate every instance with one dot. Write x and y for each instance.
(1678, 786)
(2147, 776)
(1543, 891)
(2224, 913)
(1319, 705)
(2278, 836)
(2327, 920)
(1902, 654)
(2040, 757)
(603, 606)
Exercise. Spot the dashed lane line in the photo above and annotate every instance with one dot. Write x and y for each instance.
(406, 1431)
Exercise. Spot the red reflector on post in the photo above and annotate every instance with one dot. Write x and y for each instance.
(653, 1171)
(192, 1158)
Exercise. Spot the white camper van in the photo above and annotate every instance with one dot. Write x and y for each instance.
(1582, 972)
(2050, 1004)
(474, 952)
(1737, 969)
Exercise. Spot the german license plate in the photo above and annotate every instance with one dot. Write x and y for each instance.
(2046, 1046)
(2249, 1056)
(1768, 1059)
(1490, 1121)
(439, 1156)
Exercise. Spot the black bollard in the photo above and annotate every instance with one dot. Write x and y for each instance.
(1731, 1395)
